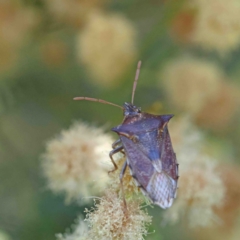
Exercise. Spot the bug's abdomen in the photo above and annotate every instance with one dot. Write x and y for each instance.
(157, 185)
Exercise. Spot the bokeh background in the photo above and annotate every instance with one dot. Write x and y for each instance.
(54, 50)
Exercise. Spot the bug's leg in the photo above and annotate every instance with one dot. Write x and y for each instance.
(121, 182)
(114, 151)
(122, 151)
(114, 145)
(118, 142)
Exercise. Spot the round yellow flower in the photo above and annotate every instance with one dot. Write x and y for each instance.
(190, 82)
(106, 46)
(73, 12)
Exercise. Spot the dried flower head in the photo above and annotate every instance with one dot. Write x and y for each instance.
(107, 46)
(110, 220)
(217, 233)
(54, 52)
(190, 83)
(201, 187)
(15, 23)
(73, 12)
(229, 211)
(183, 25)
(76, 161)
(219, 111)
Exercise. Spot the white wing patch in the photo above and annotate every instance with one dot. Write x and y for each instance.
(157, 164)
(162, 189)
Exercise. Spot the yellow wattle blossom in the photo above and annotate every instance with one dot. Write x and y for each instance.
(107, 46)
(191, 83)
(76, 162)
(217, 25)
(210, 24)
(73, 12)
(220, 110)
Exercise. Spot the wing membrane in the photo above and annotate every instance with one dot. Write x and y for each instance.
(161, 189)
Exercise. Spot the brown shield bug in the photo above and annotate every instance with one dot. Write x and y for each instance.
(145, 140)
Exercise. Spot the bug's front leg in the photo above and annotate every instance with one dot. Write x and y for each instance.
(116, 143)
(114, 151)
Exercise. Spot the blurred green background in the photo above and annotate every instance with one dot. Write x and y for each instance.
(49, 53)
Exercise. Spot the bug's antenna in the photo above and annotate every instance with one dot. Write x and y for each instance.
(136, 79)
(97, 100)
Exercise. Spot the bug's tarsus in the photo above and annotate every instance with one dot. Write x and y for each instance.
(114, 151)
(121, 182)
(136, 79)
(97, 100)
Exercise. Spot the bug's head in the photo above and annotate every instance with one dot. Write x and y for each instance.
(130, 110)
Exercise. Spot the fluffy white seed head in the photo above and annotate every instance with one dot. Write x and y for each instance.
(76, 162)
(201, 188)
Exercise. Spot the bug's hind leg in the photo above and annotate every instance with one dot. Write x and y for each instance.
(121, 182)
(114, 151)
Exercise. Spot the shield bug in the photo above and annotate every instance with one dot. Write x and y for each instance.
(145, 140)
